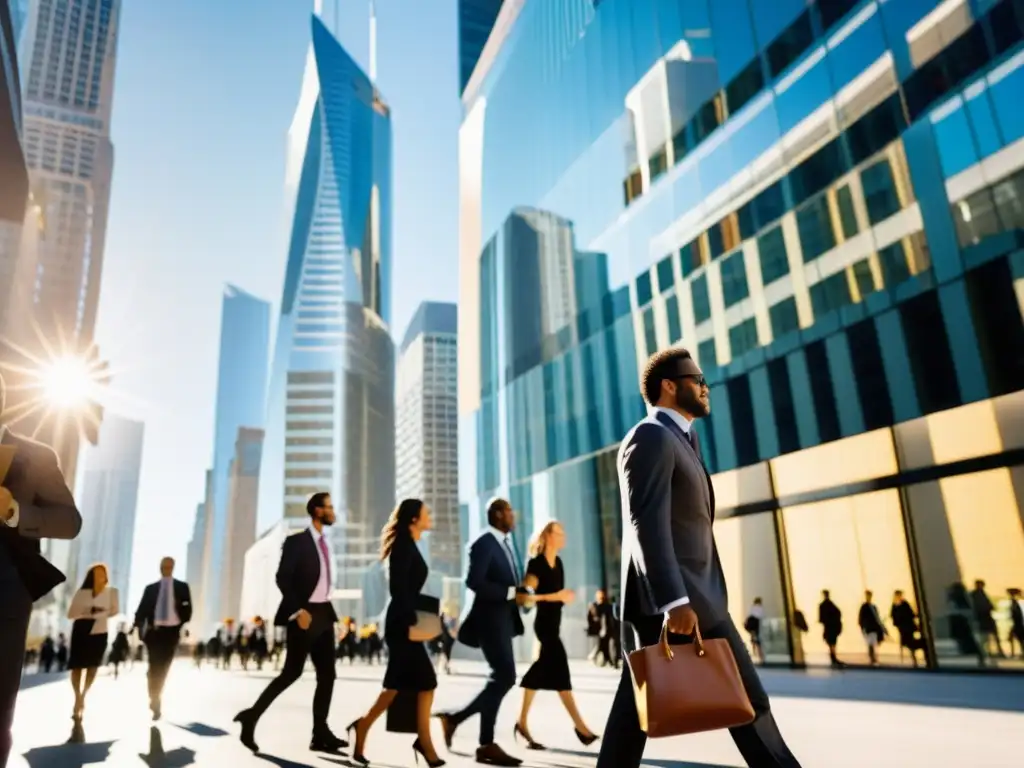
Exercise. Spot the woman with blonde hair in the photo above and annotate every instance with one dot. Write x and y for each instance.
(545, 577)
(93, 604)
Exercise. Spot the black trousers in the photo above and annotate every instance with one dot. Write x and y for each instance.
(497, 650)
(161, 646)
(760, 742)
(12, 657)
(317, 644)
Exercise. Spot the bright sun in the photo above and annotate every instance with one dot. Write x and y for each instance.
(67, 382)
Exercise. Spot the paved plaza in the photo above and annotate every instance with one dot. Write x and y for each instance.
(831, 720)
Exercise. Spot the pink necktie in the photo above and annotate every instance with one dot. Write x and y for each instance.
(327, 563)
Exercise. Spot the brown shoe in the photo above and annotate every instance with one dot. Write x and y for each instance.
(492, 754)
(448, 727)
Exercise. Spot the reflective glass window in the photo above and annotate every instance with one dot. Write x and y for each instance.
(650, 336)
(744, 86)
(741, 410)
(690, 258)
(939, 76)
(810, 91)
(893, 261)
(1000, 330)
(644, 294)
(743, 337)
(734, 278)
(771, 250)
(830, 294)
(769, 205)
(706, 355)
(732, 30)
(715, 241)
(822, 392)
(814, 226)
(1009, 199)
(1006, 23)
(931, 359)
(817, 172)
(976, 218)
(832, 11)
(701, 300)
(790, 44)
(859, 49)
(1005, 93)
(876, 130)
(675, 328)
(979, 108)
(880, 194)
(954, 142)
(847, 216)
(666, 278)
(863, 277)
(782, 403)
(869, 374)
(784, 317)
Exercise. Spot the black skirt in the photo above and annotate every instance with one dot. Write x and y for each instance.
(550, 672)
(87, 649)
(409, 666)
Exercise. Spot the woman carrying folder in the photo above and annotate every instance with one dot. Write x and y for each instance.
(409, 667)
(90, 608)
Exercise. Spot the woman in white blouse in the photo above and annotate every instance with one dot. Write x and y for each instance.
(90, 608)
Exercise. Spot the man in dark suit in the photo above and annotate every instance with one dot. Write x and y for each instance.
(670, 567)
(165, 607)
(35, 503)
(305, 578)
(492, 622)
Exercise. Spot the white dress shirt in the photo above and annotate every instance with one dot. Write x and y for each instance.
(86, 605)
(684, 424)
(324, 586)
(172, 619)
(15, 510)
(502, 538)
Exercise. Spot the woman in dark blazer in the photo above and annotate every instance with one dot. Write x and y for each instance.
(409, 667)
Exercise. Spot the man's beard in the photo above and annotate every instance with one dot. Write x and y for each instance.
(690, 403)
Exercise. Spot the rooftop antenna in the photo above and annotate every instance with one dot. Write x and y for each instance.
(373, 42)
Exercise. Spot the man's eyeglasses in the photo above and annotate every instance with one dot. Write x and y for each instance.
(698, 379)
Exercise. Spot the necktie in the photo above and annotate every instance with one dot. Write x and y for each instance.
(511, 558)
(163, 609)
(327, 560)
(691, 435)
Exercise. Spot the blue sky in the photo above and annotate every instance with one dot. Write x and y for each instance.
(205, 92)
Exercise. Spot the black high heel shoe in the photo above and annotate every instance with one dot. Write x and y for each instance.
(417, 751)
(586, 740)
(353, 731)
(518, 731)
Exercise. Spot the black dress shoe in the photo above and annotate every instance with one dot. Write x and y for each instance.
(492, 754)
(248, 735)
(328, 743)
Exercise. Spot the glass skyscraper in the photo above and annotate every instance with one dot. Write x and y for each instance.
(241, 402)
(824, 202)
(330, 424)
(476, 20)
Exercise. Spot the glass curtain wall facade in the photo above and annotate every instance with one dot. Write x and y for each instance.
(330, 422)
(824, 201)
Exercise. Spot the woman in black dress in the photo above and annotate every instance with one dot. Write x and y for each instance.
(409, 667)
(550, 672)
(90, 608)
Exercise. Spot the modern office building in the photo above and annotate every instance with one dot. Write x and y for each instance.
(108, 500)
(426, 428)
(330, 420)
(243, 492)
(823, 202)
(241, 402)
(476, 20)
(194, 555)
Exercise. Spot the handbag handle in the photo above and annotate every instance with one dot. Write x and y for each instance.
(698, 641)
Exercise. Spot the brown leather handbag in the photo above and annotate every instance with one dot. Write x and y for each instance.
(688, 689)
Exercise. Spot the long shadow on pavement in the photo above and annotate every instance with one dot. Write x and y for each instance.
(182, 757)
(649, 762)
(68, 755)
(32, 679)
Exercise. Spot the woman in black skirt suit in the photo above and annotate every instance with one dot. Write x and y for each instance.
(409, 667)
(90, 608)
(550, 672)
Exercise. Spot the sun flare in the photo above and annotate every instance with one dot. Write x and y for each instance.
(67, 383)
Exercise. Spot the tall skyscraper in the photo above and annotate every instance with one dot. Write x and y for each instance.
(243, 490)
(426, 430)
(108, 501)
(330, 422)
(195, 554)
(476, 20)
(823, 201)
(241, 398)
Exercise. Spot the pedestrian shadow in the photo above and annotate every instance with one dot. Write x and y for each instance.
(648, 762)
(201, 729)
(158, 758)
(282, 762)
(68, 755)
(33, 679)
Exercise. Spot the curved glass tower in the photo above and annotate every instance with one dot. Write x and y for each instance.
(330, 421)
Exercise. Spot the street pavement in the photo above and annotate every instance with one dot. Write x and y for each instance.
(830, 719)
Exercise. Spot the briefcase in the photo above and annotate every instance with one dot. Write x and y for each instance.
(689, 688)
(402, 713)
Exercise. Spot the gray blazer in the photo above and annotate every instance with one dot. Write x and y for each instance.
(668, 507)
(46, 510)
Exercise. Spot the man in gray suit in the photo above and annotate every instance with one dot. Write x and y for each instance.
(35, 503)
(670, 567)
